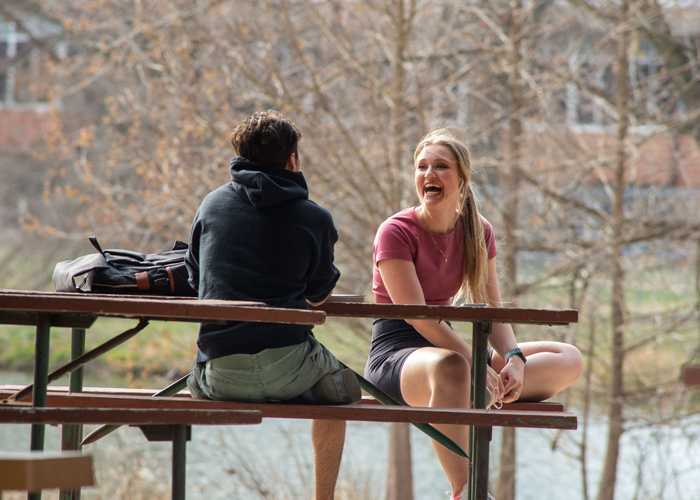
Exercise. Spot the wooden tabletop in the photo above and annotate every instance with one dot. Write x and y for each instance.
(451, 313)
(190, 309)
(153, 307)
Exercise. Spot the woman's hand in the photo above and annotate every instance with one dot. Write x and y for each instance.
(494, 384)
(512, 377)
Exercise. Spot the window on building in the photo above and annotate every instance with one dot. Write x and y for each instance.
(650, 89)
(23, 80)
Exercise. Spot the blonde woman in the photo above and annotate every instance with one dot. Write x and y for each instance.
(429, 254)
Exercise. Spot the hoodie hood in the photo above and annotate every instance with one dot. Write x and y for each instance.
(265, 185)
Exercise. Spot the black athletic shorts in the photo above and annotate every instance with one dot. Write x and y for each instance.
(393, 341)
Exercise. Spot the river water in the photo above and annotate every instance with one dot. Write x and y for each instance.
(273, 460)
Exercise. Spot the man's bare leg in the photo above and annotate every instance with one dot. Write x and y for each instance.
(328, 438)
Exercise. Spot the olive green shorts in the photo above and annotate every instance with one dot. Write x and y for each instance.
(282, 373)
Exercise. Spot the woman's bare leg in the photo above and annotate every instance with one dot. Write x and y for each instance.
(436, 377)
(441, 378)
(551, 367)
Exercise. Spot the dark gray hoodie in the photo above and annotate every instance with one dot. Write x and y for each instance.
(260, 238)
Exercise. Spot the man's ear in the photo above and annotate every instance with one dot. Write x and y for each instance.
(292, 163)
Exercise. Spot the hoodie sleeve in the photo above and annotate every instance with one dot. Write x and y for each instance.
(192, 256)
(322, 282)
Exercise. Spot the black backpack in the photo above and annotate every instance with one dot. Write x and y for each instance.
(125, 271)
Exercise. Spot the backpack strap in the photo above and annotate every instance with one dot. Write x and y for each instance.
(142, 282)
(93, 240)
(172, 279)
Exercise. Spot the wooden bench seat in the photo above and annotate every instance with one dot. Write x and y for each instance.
(21, 414)
(36, 471)
(360, 412)
(125, 391)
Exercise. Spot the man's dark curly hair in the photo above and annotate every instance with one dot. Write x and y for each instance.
(266, 137)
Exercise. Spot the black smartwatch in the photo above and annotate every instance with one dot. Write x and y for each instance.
(515, 352)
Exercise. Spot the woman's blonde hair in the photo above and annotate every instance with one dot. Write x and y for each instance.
(475, 259)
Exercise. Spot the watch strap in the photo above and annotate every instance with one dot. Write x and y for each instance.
(515, 352)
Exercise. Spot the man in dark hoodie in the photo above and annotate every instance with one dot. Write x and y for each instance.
(260, 238)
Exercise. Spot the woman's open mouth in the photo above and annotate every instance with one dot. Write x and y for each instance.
(432, 190)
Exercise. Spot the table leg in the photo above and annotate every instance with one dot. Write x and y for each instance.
(480, 435)
(179, 461)
(73, 434)
(41, 377)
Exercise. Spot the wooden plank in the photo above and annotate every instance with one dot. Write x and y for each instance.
(339, 297)
(172, 308)
(57, 320)
(553, 406)
(690, 375)
(16, 414)
(115, 391)
(36, 471)
(449, 313)
(152, 307)
(359, 412)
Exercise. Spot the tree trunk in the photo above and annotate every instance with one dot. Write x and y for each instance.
(399, 483)
(506, 480)
(396, 112)
(505, 489)
(607, 483)
(697, 285)
(587, 405)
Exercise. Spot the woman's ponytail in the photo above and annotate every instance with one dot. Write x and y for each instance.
(475, 257)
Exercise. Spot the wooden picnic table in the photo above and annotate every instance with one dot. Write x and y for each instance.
(79, 311)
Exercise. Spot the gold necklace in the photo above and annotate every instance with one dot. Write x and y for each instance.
(431, 237)
(438, 247)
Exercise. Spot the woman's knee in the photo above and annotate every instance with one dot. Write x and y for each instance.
(451, 372)
(573, 361)
(435, 376)
(568, 364)
(567, 355)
